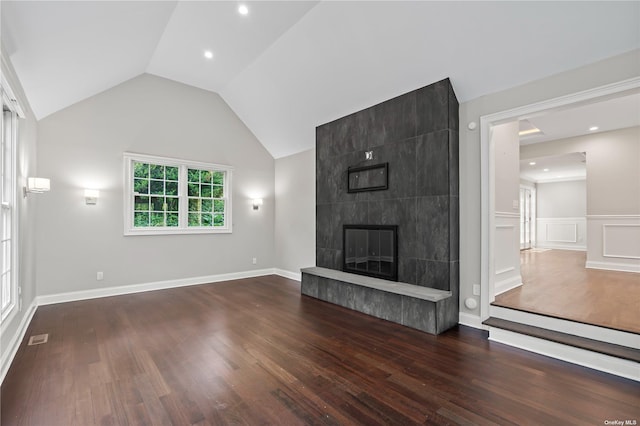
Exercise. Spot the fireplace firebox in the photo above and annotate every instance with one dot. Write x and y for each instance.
(371, 250)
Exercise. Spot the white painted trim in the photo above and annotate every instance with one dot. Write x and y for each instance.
(560, 247)
(487, 170)
(611, 266)
(10, 351)
(471, 320)
(505, 270)
(563, 219)
(562, 101)
(508, 284)
(505, 226)
(296, 276)
(613, 217)
(588, 331)
(508, 215)
(49, 299)
(594, 360)
(5, 87)
(604, 239)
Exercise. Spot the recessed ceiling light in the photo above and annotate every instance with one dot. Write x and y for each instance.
(593, 128)
(533, 163)
(208, 54)
(243, 10)
(546, 170)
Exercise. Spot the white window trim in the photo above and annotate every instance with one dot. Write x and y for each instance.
(7, 315)
(129, 229)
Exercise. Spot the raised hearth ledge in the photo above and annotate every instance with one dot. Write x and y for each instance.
(417, 292)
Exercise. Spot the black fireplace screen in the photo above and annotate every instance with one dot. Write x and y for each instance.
(371, 250)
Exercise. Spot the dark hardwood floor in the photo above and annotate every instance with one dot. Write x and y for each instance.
(255, 352)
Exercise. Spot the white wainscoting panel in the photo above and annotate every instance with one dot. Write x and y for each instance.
(565, 233)
(614, 242)
(621, 240)
(507, 252)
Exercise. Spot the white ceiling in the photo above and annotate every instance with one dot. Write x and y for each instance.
(555, 168)
(290, 66)
(609, 114)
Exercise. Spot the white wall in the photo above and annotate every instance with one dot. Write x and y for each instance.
(295, 188)
(506, 144)
(506, 268)
(613, 168)
(82, 146)
(562, 210)
(604, 72)
(562, 199)
(613, 194)
(12, 327)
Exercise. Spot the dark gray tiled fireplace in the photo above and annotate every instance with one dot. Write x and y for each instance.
(417, 135)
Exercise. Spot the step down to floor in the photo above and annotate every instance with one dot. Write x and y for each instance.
(610, 349)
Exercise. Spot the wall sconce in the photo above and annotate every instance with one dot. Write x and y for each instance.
(37, 185)
(91, 196)
(256, 202)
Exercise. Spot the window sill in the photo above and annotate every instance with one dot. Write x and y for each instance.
(165, 231)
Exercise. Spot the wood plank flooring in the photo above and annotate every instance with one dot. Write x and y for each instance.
(556, 283)
(256, 352)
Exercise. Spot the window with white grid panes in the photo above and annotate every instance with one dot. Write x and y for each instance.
(206, 198)
(171, 196)
(156, 201)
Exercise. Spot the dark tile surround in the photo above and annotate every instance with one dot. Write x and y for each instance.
(417, 134)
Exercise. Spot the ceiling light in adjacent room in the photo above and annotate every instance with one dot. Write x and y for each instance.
(243, 9)
(546, 170)
(533, 163)
(526, 128)
(593, 128)
(529, 132)
(208, 54)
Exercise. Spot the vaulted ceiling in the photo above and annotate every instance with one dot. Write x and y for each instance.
(286, 67)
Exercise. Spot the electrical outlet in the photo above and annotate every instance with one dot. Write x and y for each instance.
(476, 289)
(100, 276)
(254, 261)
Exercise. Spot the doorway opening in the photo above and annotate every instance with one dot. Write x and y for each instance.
(492, 224)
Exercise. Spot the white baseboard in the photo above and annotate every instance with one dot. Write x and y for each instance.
(594, 360)
(547, 245)
(471, 320)
(508, 284)
(297, 276)
(10, 351)
(49, 299)
(610, 266)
